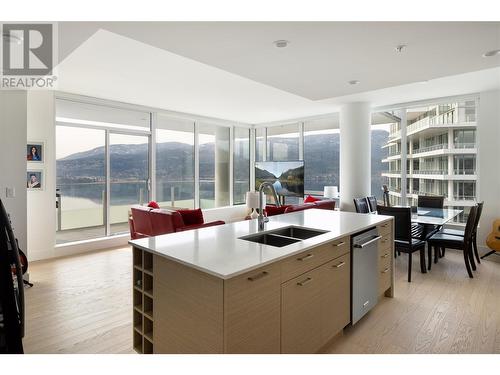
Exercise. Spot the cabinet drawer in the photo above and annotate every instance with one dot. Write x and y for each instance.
(385, 228)
(384, 262)
(307, 260)
(385, 243)
(252, 311)
(384, 281)
(384, 253)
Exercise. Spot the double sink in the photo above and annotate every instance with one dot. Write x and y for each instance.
(283, 236)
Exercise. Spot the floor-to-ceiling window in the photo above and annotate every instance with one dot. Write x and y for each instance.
(241, 164)
(81, 183)
(260, 143)
(102, 168)
(214, 165)
(321, 155)
(441, 146)
(379, 137)
(128, 177)
(175, 162)
(283, 142)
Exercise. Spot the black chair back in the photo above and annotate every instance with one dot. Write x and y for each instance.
(478, 216)
(469, 226)
(387, 202)
(372, 201)
(361, 205)
(430, 201)
(402, 221)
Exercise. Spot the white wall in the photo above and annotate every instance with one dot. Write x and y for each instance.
(41, 204)
(13, 158)
(489, 161)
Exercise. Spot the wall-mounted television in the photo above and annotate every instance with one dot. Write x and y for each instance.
(287, 177)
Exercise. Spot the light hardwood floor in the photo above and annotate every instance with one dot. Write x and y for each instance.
(82, 304)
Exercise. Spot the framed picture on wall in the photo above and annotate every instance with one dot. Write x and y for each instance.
(35, 152)
(34, 180)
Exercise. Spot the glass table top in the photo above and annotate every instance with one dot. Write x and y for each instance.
(434, 216)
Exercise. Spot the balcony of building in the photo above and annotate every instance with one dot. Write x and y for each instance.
(444, 175)
(444, 149)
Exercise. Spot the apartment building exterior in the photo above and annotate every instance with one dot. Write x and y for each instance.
(441, 155)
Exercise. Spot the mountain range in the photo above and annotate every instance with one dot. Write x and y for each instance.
(175, 161)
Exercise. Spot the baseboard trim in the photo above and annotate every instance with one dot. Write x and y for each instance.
(80, 247)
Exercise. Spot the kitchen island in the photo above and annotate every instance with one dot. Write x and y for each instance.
(212, 291)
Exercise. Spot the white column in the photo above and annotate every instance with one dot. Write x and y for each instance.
(355, 153)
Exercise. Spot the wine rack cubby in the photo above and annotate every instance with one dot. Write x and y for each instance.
(143, 289)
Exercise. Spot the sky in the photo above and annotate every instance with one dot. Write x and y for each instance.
(71, 140)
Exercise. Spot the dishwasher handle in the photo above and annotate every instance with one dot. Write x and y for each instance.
(364, 244)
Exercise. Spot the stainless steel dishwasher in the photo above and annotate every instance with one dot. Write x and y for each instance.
(364, 273)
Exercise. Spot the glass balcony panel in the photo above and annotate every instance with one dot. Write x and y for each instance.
(175, 162)
(129, 176)
(80, 183)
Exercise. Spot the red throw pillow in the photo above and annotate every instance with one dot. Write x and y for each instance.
(310, 199)
(192, 217)
(153, 204)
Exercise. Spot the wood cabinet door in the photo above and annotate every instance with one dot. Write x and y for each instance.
(336, 296)
(252, 311)
(301, 323)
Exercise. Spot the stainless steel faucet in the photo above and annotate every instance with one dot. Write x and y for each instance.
(264, 219)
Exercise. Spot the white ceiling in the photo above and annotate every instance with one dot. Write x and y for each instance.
(110, 66)
(233, 71)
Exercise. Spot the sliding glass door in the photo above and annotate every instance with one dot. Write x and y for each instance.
(128, 177)
(102, 168)
(81, 184)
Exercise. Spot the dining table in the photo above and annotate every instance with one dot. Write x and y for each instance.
(434, 216)
(431, 220)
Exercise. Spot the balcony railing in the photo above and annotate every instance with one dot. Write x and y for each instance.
(426, 193)
(431, 171)
(461, 197)
(431, 148)
(464, 145)
(464, 171)
(395, 134)
(417, 125)
(455, 114)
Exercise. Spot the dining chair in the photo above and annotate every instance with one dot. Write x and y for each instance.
(387, 202)
(448, 241)
(361, 205)
(430, 201)
(403, 241)
(372, 202)
(461, 232)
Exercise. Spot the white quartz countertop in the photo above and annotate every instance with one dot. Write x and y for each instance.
(220, 252)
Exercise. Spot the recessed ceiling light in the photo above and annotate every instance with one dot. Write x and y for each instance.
(495, 52)
(354, 82)
(281, 43)
(399, 48)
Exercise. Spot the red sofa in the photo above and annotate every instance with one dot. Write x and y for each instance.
(321, 204)
(147, 222)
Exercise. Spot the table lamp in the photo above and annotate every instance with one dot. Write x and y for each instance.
(252, 201)
(331, 192)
